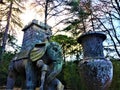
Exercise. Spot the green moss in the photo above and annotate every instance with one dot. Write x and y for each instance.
(115, 85)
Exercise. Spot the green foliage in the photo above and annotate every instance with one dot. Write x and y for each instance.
(17, 9)
(70, 77)
(69, 44)
(76, 25)
(76, 9)
(4, 67)
(63, 39)
(74, 5)
(115, 85)
(12, 42)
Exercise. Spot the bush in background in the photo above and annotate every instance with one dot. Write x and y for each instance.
(4, 67)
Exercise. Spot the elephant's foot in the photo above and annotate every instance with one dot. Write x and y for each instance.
(60, 86)
(11, 80)
(31, 87)
(55, 85)
(10, 83)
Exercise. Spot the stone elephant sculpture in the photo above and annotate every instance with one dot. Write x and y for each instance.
(42, 63)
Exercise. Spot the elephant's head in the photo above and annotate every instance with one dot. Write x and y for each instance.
(54, 51)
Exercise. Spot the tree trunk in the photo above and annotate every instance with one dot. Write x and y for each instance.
(5, 36)
(46, 11)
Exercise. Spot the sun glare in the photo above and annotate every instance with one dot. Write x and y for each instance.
(28, 16)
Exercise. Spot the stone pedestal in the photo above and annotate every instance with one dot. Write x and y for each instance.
(95, 69)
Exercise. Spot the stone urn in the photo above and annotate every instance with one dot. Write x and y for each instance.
(95, 70)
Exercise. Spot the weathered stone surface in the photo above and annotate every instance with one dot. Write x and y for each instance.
(38, 59)
(96, 71)
(92, 43)
(34, 33)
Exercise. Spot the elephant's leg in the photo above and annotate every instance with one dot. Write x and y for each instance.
(31, 77)
(11, 77)
(23, 86)
(55, 85)
(43, 68)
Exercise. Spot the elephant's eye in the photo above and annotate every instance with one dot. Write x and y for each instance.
(55, 49)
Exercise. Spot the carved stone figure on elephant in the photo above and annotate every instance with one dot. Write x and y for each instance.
(44, 61)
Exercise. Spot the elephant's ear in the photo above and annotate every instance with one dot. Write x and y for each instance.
(37, 52)
(22, 55)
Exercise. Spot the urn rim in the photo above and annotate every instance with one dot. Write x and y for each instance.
(95, 33)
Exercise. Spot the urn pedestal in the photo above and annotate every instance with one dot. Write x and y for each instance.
(96, 71)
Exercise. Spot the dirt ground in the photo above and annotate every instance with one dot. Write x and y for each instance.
(16, 88)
